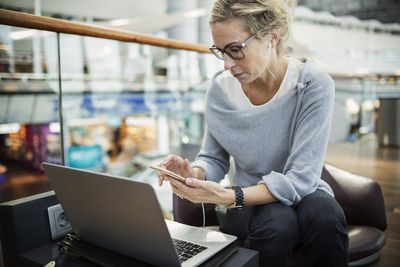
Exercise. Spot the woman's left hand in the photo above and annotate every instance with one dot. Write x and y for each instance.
(200, 191)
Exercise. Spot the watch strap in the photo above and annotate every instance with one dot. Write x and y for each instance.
(239, 202)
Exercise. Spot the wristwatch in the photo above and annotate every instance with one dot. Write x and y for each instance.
(239, 202)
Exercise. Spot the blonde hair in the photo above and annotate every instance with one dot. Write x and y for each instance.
(261, 16)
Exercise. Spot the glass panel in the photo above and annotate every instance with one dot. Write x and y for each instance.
(29, 129)
(127, 106)
(357, 103)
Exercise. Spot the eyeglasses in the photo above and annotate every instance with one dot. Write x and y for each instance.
(233, 51)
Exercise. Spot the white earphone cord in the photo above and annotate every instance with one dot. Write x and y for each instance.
(204, 215)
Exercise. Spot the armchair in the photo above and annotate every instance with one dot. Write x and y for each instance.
(360, 197)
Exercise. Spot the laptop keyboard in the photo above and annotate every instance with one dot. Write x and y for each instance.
(186, 250)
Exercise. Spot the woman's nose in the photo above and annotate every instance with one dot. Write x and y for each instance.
(228, 62)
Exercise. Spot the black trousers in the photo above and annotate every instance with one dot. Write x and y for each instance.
(316, 227)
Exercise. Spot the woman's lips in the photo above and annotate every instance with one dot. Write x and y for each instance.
(238, 75)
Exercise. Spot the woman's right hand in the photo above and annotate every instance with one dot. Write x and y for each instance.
(177, 165)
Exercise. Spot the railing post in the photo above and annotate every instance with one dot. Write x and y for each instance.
(60, 107)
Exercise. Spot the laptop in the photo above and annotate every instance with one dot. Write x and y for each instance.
(124, 216)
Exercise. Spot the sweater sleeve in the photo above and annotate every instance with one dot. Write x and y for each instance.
(212, 158)
(310, 134)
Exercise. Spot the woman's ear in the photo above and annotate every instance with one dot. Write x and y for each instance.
(274, 38)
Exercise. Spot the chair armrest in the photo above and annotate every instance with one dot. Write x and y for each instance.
(360, 197)
(190, 213)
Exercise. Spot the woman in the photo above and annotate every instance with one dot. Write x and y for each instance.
(272, 114)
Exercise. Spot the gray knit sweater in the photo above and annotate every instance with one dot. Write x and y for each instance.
(281, 143)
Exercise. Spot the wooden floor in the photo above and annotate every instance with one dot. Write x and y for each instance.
(363, 157)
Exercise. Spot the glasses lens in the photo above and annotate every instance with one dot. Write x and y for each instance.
(216, 52)
(235, 52)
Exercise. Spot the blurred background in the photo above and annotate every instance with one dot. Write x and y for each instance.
(118, 107)
(127, 105)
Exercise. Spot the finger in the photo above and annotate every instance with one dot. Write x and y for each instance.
(177, 191)
(168, 162)
(180, 187)
(175, 182)
(175, 162)
(160, 182)
(174, 188)
(164, 163)
(186, 165)
(194, 182)
(161, 179)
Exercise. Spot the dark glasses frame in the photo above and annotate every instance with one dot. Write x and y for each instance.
(218, 52)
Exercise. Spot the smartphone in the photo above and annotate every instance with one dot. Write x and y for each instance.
(169, 173)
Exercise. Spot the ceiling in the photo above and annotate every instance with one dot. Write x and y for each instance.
(155, 15)
(91, 8)
(385, 11)
(130, 15)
